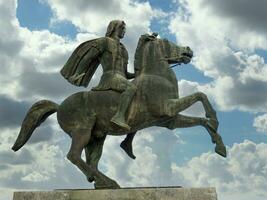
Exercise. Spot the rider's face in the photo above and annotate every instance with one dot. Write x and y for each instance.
(121, 31)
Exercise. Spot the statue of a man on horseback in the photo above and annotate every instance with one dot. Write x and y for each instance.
(117, 106)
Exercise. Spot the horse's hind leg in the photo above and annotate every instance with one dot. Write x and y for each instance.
(79, 142)
(93, 152)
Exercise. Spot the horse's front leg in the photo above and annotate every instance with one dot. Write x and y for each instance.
(181, 121)
(174, 106)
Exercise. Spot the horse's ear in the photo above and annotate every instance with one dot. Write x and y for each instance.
(148, 37)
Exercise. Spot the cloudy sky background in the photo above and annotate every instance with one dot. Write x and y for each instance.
(229, 40)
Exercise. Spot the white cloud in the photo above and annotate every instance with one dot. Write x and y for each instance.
(224, 48)
(260, 123)
(152, 148)
(243, 172)
(187, 88)
(94, 16)
(240, 23)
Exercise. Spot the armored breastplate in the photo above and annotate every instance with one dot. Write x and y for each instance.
(115, 58)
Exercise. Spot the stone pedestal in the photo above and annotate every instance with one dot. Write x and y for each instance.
(155, 193)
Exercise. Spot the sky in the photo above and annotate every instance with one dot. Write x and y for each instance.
(229, 40)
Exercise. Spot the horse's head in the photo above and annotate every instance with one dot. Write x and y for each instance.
(151, 50)
(176, 54)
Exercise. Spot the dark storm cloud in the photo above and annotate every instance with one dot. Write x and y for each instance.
(43, 133)
(93, 5)
(252, 94)
(3, 167)
(11, 112)
(22, 157)
(251, 15)
(14, 181)
(52, 85)
(10, 48)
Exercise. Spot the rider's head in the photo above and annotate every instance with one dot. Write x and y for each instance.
(116, 28)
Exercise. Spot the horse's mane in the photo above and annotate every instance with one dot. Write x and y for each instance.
(140, 52)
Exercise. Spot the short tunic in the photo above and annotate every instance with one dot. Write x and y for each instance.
(114, 61)
(113, 81)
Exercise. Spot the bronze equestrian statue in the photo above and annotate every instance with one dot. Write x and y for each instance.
(152, 99)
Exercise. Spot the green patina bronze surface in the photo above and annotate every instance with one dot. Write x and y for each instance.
(118, 106)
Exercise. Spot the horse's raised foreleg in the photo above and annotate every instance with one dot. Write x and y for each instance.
(174, 106)
(93, 152)
(79, 142)
(181, 121)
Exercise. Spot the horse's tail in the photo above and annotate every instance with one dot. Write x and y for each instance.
(34, 117)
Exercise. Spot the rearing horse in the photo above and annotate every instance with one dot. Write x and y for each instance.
(85, 116)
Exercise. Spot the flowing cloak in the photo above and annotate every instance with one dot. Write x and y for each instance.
(83, 62)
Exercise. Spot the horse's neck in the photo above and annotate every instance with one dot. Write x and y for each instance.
(149, 60)
(159, 68)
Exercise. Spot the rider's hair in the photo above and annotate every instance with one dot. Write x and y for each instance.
(113, 25)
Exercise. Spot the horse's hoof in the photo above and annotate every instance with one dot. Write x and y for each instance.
(221, 150)
(106, 185)
(90, 179)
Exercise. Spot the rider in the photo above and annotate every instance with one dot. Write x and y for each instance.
(115, 72)
(113, 56)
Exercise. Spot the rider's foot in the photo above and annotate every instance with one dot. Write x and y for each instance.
(120, 122)
(127, 147)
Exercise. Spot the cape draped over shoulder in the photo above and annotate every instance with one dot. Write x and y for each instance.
(83, 62)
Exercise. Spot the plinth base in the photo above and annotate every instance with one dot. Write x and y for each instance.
(155, 193)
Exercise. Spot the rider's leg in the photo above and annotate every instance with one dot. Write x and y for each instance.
(126, 145)
(125, 100)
